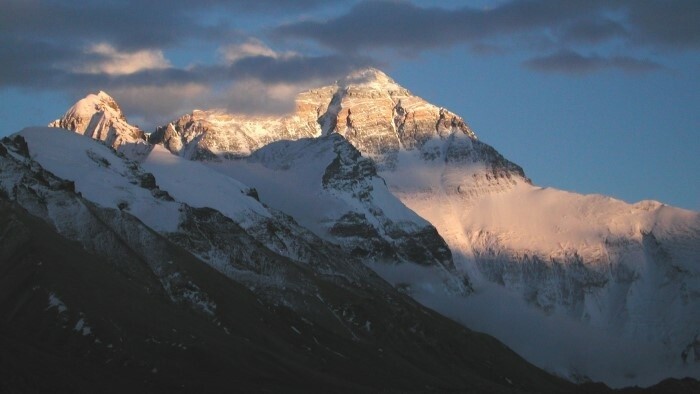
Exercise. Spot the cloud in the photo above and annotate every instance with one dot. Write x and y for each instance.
(253, 96)
(110, 61)
(251, 48)
(667, 24)
(253, 84)
(594, 31)
(574, 63)
(373, 24)
(152, 105)
(296, 68)
(136, 49)
(527, 25)
(133, 24)
(127, 48)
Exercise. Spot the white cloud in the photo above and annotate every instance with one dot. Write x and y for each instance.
(111, 61)
(251, 48)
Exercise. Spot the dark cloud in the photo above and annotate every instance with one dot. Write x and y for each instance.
(46, 44)
(593, 31)
(292, 69)
(126, 25)
(571, 62)
(380, 24)
(28, 62)
(564, 25)
(396, 24)
(667, 24)
(132, 24)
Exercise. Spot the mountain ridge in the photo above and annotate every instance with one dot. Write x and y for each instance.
(304, 329)
(592, 260)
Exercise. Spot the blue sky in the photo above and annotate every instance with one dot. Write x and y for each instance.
(589, 96)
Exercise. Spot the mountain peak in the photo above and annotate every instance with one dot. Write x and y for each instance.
(99, 102)
(368, 75)
(98, 115)
(102, 95)
(371, 79)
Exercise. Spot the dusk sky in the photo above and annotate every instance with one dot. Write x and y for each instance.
(588, 96)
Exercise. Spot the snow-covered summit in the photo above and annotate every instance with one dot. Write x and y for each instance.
(100, 117)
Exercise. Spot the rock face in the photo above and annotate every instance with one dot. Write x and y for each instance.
(98, 116)
(380, 117)
(367, 107)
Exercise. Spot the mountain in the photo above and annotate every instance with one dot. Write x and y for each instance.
(585, 286)
(358, 213)
(119, 285)
(99, 116)
(209, 134)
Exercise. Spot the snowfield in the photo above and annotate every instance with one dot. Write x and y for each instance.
(100, 175)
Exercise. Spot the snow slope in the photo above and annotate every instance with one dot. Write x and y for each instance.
(87, 286)
(210, 214)
(331, 190)
(625, 278)
(193, 183)
(100, 175)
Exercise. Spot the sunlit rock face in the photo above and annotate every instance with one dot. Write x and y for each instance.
(379, 116)
(99, 116)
